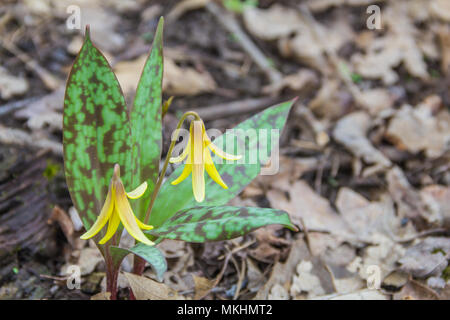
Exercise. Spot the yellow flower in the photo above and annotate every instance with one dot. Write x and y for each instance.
(199, 159)
(117, 209)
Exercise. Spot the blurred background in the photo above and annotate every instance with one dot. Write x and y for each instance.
(364, 158)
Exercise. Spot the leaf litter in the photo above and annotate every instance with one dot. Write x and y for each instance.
(364, 160)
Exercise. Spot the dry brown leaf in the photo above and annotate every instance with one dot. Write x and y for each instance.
(399, 45)
(365, 294)
(177, 81)
(60, 216)
(273, 23)
(408, 200)
(185, 6)
(304, 204)
(444, 40)
(202, 286)
(427, 258)
(351, 131)
(375, 100)
(148, 289)
(22, 138)
(282, 272)
(10, 85)
(440, 9)
(185, 81)
(436, 198)
(103, 22)
(322, 5)
(331, 101)
(102, 296)
(383, 253)
(414, 290)
(45, 112)
(255, 276)
(301, 81)
(418, 129)
(297, 36)
(89, 259)
(367, 218)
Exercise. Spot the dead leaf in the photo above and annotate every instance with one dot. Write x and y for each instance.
(102, 296)
(408, 200)
(331, 101)
(375, 100)
(365, 294)
(427, 258)
(148, 289)
(351, 131)
(89, 259)
(303, 203)
(282, 272)
(45, 112)
(185, 6)
(177, 80)
(10, 85)
(414, 290)
(417, 129)
(436, 198)
(273, 23)
(440, 9)
(102, 21)
(255, 276)
(444, 40)
(399, 45)
(202, 286)
(60, 216)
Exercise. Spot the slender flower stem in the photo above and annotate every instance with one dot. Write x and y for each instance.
(166, 162)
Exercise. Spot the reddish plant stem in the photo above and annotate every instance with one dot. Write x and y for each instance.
(112, 274)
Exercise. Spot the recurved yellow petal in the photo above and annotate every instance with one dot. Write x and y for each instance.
(143, 225)
(184, 154)
(211, 169)
(222, 153)
(127, 216)
(113, 224)
(186, 172)
(138, 192)
(104, 215)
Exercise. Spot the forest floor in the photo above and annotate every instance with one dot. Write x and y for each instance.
(364, 158)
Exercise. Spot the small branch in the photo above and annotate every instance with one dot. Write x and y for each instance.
(47, 78)
(229, 22)
(230, 109)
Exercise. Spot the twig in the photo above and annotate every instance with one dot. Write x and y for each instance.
(19, 137)
(229, 22)
(15, 105)
(219, 276)
(231, 109)
(47, 78)
(240, 280)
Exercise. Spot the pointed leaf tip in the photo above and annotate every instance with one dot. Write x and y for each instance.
(87, 33)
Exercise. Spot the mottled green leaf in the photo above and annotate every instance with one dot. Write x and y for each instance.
(145, 119)
(96, 131)
(172, 199)
(151, 254)
(211, 223)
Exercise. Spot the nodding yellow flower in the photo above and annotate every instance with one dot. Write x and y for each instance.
(199, 159)
(117, 209)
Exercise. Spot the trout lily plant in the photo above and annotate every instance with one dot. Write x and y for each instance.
(109, 150)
